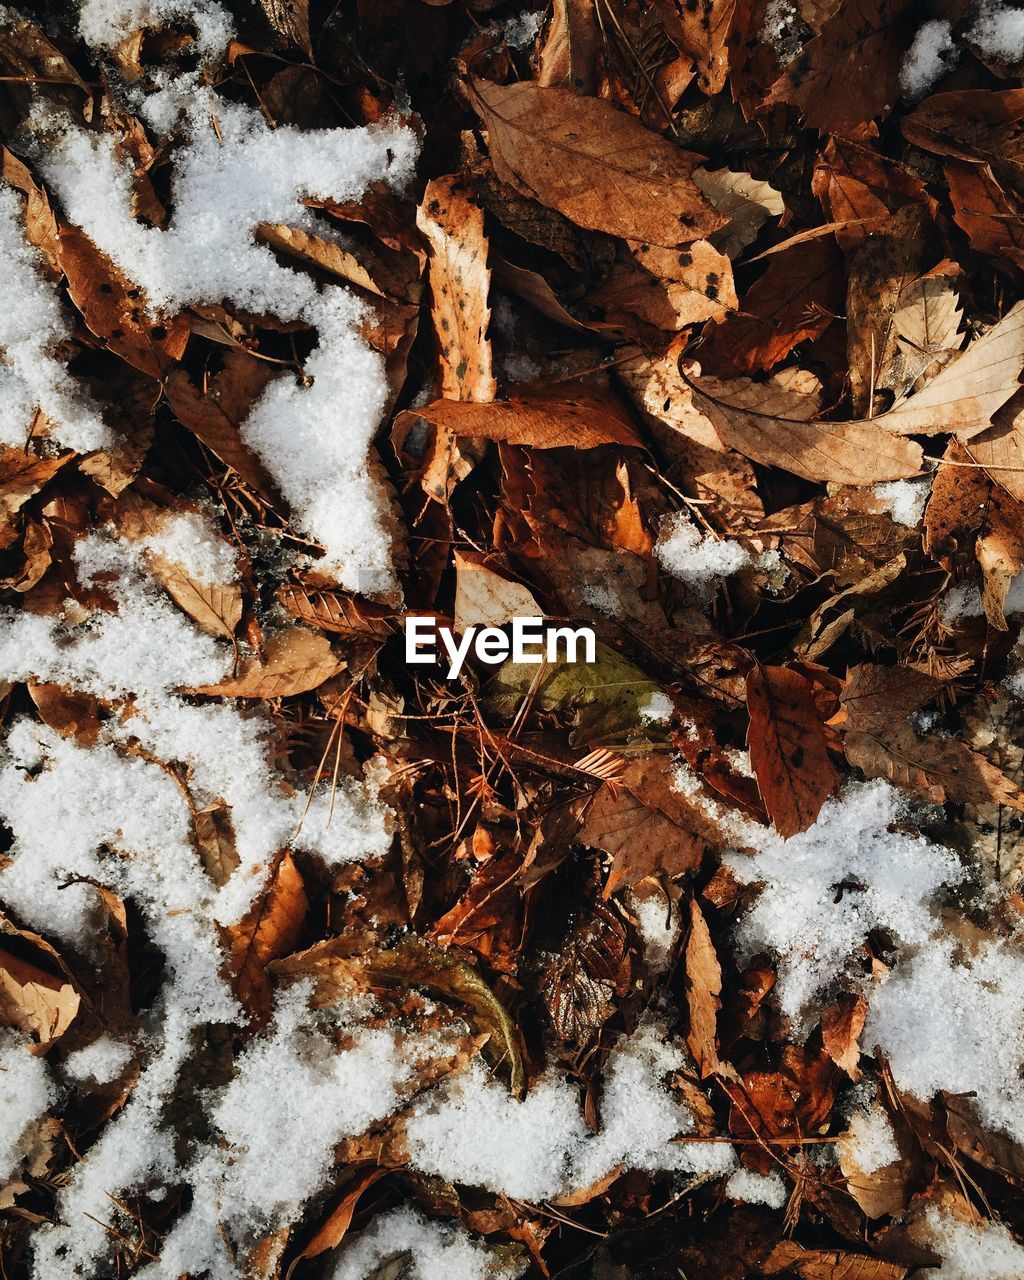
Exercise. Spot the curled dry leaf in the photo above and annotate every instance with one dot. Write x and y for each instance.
(297, 660)
(841, 1025)
(703, 991)
(598, 166)
(337, 612)
(37, 995)
(747, 202)
(828, 1264)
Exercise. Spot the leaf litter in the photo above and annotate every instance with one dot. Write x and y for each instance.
(698, 324)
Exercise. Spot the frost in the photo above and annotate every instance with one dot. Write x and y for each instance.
(930, 57)
(436, 1251)
(522, 28)
(870, 1139)
(314, 437)
(956, 1026)
(999, 32)
(694, 558)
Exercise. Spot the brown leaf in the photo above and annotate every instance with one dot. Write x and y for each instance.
(26, 51)
(880, 272)
(598, 166)
(115, 310)
(849, 73)
(879, 741)
(215, 607)
(568, 55)
(981, 125)
(215, 414)
(215, 841)
(645, 824)
(761, 421)
(550, 416)
(70, 712)
(33, 1000)
(794, 301)
(453, 225)
(828, 1264)
(667, 288)
(703, 989)
(591, 966)
(788, 750)
(334, 1227)
(271, 929)
(744, 200)
(485, 599)
(315, 251)
(991, 217)
(344, 615)
(841, 1025)
(290, 19)
(297, 660)
(703, 34)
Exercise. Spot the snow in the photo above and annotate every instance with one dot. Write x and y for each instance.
(695, 558)
(930, 57)
(870, 1139)
(905, 500)
(981, 1251)
(31, 325)
(313, 435)
(105, 23)
(964, 601)
(472, 1131)
(757, 1188)
(659, 926)
(196, 546)
(825, 889)
(522, 28)
(101, 1061)
(999, 32)
(656, 708)
(956, 1025)
(26, 1093)
(438, 1251)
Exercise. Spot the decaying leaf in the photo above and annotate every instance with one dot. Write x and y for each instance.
(296, 660)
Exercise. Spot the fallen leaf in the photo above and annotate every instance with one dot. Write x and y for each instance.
(568, 53)
(788, 749)
(849, 73)
(335, 1226)
(485, 599)
(215, 607)
(334, 611)
(747, 202)
(598, 166)
(841, 1025)
(297, 660)
(290, 19)
(704, 29)
(703, 991)
(828, 1264)
(270, 929)
(554, 416)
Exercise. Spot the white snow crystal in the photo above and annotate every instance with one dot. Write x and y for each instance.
(930, 57)
(826, 888)
(757, 1188)
(656, 708)
(999, 32)
(313, 437)
(956, 1026)
(982, 1251)
(25, 1094)
(437, 1251)
(659, 926)
(473, 1131)
(695, 558)
(105, 23)
(905, 499)
(870, 1139)
(102, 1061)
(31, 325)
(193, 543)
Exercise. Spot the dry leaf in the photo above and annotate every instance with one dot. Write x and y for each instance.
(828, 1264)
(297, 660)
(703, 989)
(344, 615)
(596, 165)
(788, 749)
(745, 201)
(271, 929)
(484, 599)
(841, 1025)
